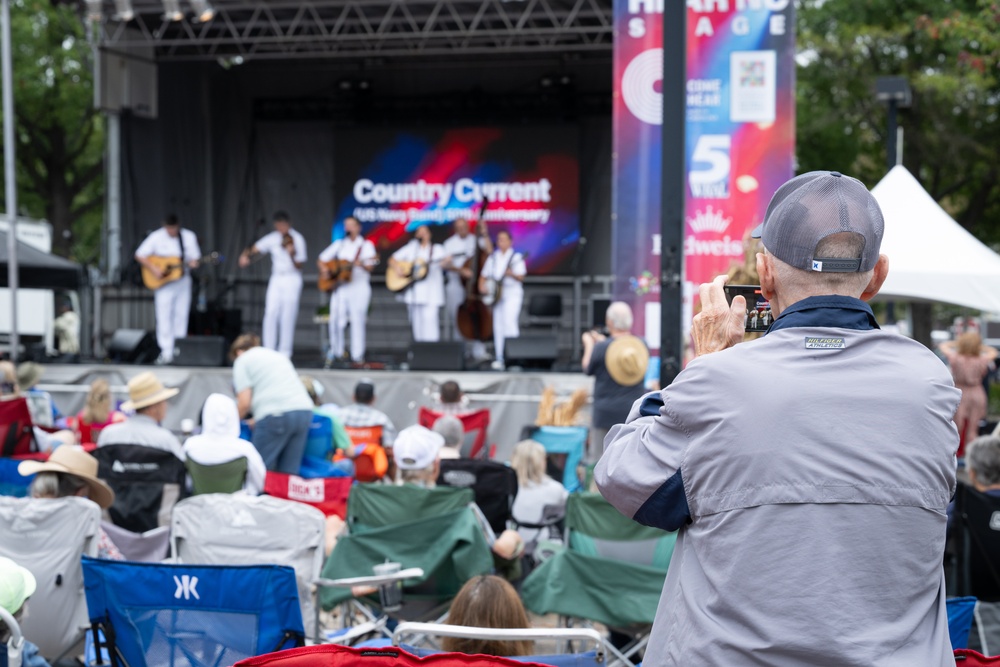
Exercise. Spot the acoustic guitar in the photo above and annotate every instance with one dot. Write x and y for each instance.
(171, 268)
(413, 272)
(338, 272)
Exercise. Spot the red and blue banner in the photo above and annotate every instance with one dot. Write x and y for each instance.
(395, 180)
(740, 139)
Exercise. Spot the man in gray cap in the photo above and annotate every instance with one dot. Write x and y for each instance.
(820, 538)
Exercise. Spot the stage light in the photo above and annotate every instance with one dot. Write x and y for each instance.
(124, 10)
(94, 11)
(172, 10)
(203, 10)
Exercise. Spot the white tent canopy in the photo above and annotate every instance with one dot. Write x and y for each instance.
(931, 257)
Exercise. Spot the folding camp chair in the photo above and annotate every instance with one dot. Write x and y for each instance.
(612, 572)
(440, 531)
(493, 484)
(373, 462)
(960, 613)
(474, 424)
(147, 483)
(968, 658)
(13, 483)
(560, 636)
(319, 443)
(564, 450)
(333, 655)
(327, 494)
(17, 437)
(152, 546)
(226, 477)
(15, 643)
(225, 529)
(47, 536)
(171, 615)
(976, 518)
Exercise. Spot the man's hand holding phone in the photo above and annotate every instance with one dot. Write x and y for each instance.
(719, 325)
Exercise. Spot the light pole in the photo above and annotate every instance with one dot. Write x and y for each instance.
(894, 91)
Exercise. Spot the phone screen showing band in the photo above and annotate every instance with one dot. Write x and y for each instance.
(758, 316)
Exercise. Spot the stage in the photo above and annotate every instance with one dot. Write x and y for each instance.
(511, 396)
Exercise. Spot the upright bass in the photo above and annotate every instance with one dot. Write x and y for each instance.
(475, 318)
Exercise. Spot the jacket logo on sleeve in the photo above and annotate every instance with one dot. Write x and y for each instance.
(820, 343)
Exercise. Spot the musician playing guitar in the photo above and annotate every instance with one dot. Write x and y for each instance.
(463, 250)
(346, 264)
(166, 257)
(501, 284)
(424, 296)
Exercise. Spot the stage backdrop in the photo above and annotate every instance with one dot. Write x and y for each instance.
(740, 139)
(527, 178)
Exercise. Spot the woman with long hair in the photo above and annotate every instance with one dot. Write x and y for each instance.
(969, 361)
(97, 412)
(535, 489)
(488, 601)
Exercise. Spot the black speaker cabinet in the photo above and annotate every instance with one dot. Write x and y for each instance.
(446, 356)
(200, 351)
(133, 346)
(531, 351)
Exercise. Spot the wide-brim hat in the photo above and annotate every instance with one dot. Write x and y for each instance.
(73, 460)
(145, 389)
(28, 374)
(626, 359)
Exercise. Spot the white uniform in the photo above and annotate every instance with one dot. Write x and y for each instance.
(281, 306)
(173, 300)
(461, 251)
(507, 310)
(424, 298)
(349, 302)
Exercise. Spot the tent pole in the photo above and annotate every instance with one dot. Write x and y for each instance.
(10, 176)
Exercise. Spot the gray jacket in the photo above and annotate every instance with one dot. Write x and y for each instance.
(809, 482)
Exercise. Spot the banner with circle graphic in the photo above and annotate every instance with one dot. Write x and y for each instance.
(740, 140)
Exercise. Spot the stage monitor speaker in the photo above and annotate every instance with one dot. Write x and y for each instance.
(200, 351)
(133, 346)
(598, 310)
(531, 351)
(447, 356)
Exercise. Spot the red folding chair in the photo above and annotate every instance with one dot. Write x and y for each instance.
(335, 655)
(968, 658)
(327, 494)
(477, 422)
(17, 436)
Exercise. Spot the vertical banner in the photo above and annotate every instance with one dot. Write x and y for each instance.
(740, 139)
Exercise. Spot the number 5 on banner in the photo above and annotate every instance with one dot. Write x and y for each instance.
(713, 182)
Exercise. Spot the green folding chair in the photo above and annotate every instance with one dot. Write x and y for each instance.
(371, 506)
(226, 477)
(612, 572)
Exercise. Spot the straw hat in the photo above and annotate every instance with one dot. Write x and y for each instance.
(626, 359)
(144, 390)
(72, 460)
(28, 374)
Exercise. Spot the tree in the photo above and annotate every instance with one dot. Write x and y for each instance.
(948, 50)
(60, 136)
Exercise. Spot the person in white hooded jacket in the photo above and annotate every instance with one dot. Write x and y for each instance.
(220, 442)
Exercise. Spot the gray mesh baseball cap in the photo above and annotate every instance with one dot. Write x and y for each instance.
(812, 206)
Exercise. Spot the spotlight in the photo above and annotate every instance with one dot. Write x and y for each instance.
(124, 10)
(364, 84)
(172, 10)
(545, 82)
(94, 11)
(203, 10)
(345, 84)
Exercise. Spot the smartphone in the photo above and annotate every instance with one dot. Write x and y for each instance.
(758, 316)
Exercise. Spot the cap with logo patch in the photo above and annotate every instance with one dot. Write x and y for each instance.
(813, 206)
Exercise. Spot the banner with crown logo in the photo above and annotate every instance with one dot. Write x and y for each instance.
(740, 139)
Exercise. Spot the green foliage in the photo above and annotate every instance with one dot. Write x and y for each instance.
(948, 51)
(60, 135)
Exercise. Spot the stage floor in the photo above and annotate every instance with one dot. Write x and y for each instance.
(511, 396)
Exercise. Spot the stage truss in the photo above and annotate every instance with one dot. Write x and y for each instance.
(363, 29)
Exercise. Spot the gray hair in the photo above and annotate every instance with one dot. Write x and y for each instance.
(619, 316)
(424, 477)
(983, 456)
(844, 245)
(55, 485)
(451, 429)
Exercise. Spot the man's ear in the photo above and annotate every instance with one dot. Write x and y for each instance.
(879, 275)
(765, 271)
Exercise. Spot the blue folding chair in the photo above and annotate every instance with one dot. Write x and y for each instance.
(960, 613)
(564, 449)
(169, 615)
(12, 483)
